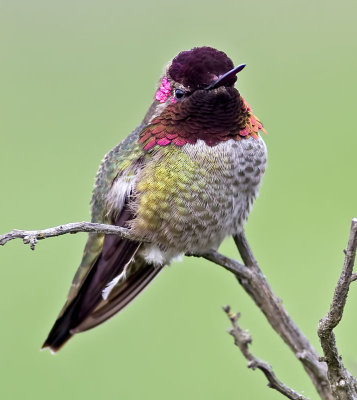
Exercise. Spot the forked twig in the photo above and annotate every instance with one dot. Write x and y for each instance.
(242, 340)
(343, 384)
(271, 306)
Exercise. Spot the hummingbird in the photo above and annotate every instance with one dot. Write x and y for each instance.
(181, 182)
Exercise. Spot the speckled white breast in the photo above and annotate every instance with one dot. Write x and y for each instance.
(216, 203)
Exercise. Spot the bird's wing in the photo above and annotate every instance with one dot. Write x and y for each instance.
(106, 257)
(121, 163)
(138, 276)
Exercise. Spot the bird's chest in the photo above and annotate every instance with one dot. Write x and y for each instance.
(194, 196)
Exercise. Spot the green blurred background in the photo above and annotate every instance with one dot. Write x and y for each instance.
(76, 77)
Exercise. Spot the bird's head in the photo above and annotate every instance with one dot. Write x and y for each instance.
(196, 99)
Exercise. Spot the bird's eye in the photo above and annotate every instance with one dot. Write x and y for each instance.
(179, 94)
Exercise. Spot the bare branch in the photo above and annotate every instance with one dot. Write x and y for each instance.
(250, 277)
(230, 265)
(271, 306)
(344, 385)
(31, 237)
(242, 340)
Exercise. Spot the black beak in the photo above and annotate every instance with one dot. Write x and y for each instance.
(225, 77)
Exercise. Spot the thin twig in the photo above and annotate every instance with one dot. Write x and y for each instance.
(242, 340)
(344, 385)
(230, 265)
(31, 237)
(271, 306)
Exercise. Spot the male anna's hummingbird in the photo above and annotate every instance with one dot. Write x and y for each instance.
(181, 182)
